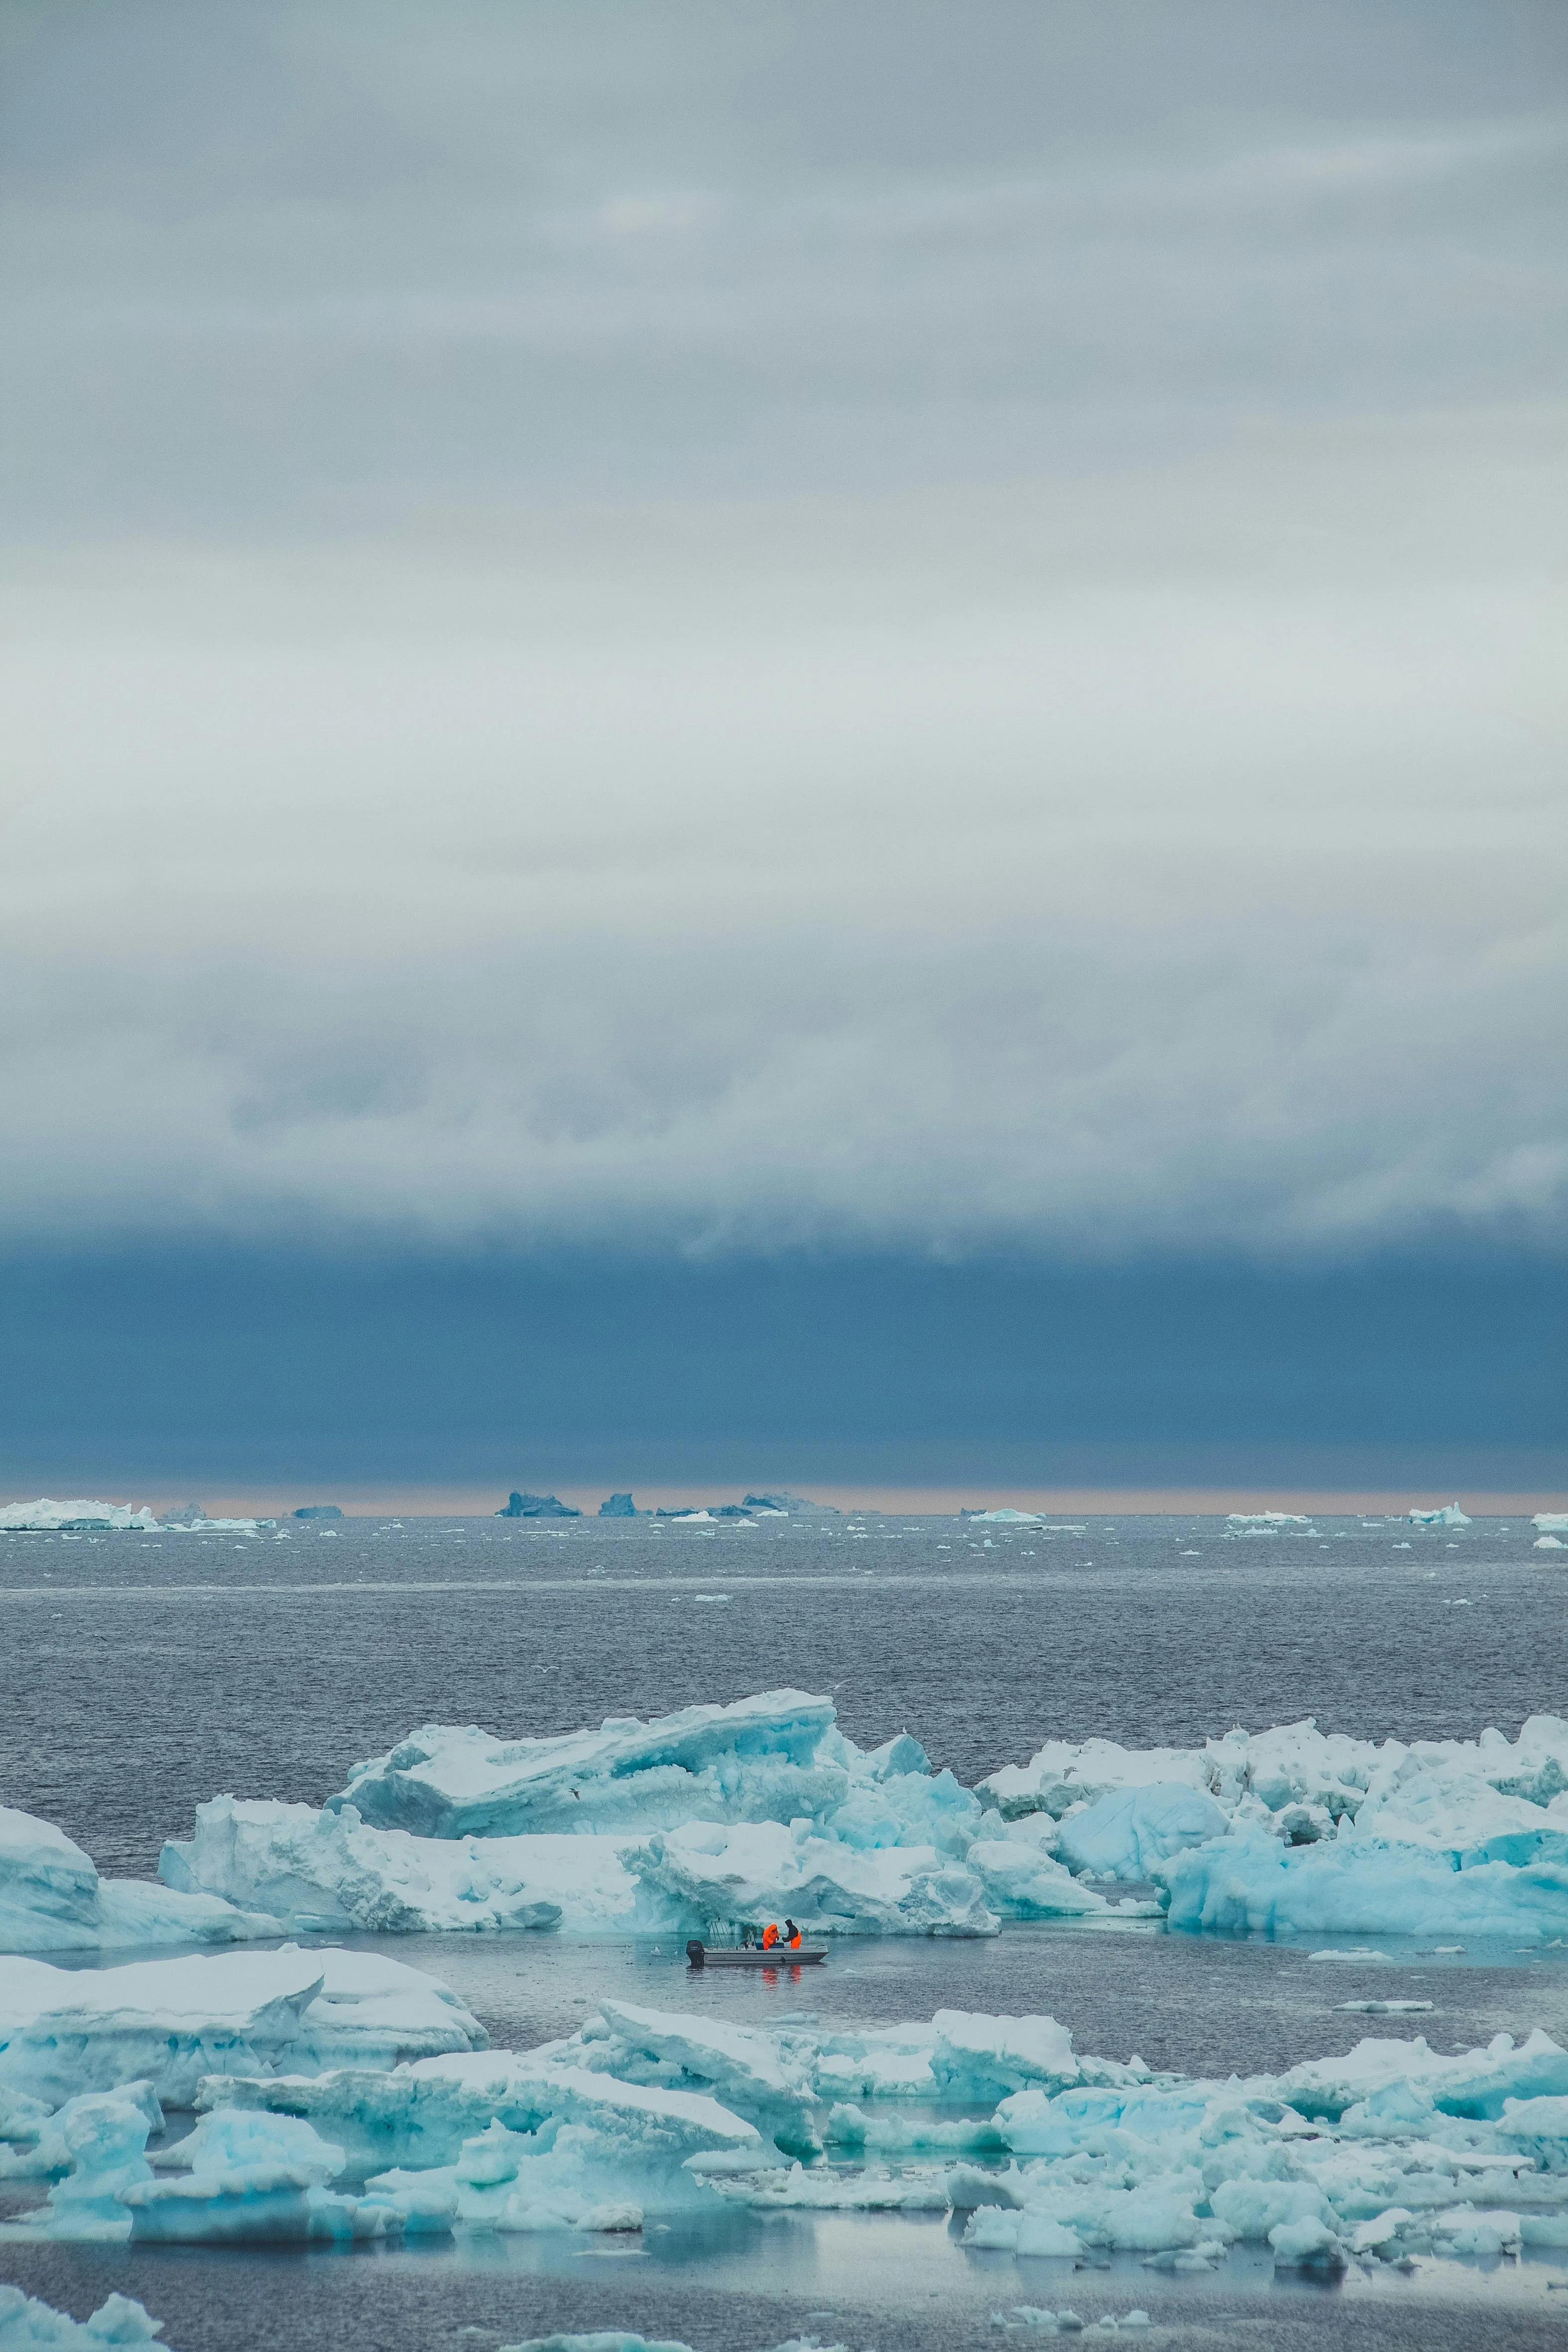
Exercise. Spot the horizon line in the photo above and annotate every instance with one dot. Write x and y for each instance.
(386, 1499)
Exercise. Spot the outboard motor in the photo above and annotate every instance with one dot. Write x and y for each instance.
(695, 1953)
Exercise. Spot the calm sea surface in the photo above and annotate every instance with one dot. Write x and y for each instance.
(141, 1675)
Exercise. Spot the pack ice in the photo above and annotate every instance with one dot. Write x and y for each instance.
(1391, 2150)
(692, 1824)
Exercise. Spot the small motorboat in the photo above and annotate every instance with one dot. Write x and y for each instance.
(753, 1955)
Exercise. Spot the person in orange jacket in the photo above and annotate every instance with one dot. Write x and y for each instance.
(769, 1934)
(792, 1935)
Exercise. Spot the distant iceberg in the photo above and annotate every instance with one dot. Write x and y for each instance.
(791, 1507)
(1006, 1517)
(319, 1511)
(1551, 1523)
(537, 1507)
(619, 1507)
(1450, 1516)
(1260, 1523)
(48, 1517)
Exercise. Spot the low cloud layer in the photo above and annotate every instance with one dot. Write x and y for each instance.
(592, 664)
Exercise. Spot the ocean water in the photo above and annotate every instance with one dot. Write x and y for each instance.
(139, 1675)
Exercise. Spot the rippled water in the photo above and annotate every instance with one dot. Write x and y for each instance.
(141, 1674)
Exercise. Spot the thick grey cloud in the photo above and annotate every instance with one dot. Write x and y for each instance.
(850, 624)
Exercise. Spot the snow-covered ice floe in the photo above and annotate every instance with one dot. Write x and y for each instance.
(64, 2031)
(46, 1517)
(1391, 2150)
(53, 1900)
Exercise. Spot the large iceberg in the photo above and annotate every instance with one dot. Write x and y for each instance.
(65, 2031)
(1448, 1515)
(53, 1900)
(755, 1760)
(46, 1517)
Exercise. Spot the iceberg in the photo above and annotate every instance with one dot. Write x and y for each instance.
(1551, 1523)
(329, 1871)
(48, 1517)
(319, 1511)
(68, 2031)
(537, 1507)
(28, 2325)
(1005, 1517)
(753, 1760)
(1266, 1522)
(1548, 1543)
(1450, 1516)
(619, 1507)
(53, 1900)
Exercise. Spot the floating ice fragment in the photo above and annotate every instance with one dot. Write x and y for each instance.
(46, 1517)
(29, 2325)
(53, 1900)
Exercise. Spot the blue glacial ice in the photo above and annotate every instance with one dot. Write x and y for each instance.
(53, 1900)
(171, 2023)
(1448, 1515)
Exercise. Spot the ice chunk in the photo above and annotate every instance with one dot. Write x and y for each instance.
(1548, 1543)
(1364, 1887)
(1266, 1521)
(1551, 1523)
(1007, 1517)
(1124, 1835)
(65, 2031)
(53, 1900)
(537, 1507)
(747, 2071)
(28, 2325)
(711, 1877)
(753, 1760)
(255, 2179)
(619, 1507)
(319, 1511)
(788, 1505)
(1065, 1773)
(1021, 1882)
(329, 1870)
(46, 1517)
(1450, 1516)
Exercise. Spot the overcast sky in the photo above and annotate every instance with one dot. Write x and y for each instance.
(862, 624)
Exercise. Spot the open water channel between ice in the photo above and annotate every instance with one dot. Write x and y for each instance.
(144, 1673)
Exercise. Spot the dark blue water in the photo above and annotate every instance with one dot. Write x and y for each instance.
(139, 1675)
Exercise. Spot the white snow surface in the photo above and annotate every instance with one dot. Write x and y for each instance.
(53, 1900)
(170, 2023)
(46, 1517)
